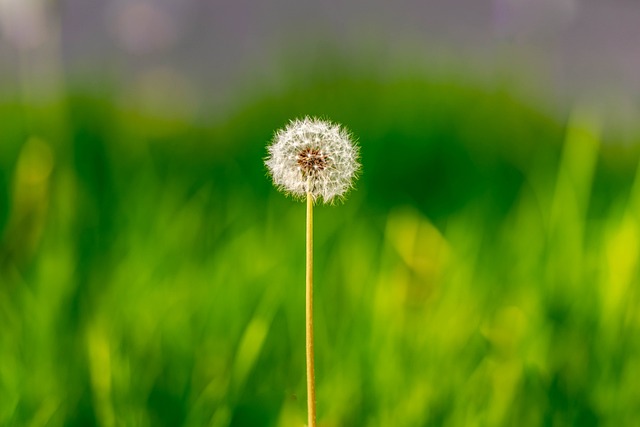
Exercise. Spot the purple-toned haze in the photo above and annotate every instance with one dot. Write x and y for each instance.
(201, 48)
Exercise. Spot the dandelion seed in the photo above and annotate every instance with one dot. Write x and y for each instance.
(312, 156)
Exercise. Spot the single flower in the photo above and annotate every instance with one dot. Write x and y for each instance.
(312, 156)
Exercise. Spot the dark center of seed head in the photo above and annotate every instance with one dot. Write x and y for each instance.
(311, 161)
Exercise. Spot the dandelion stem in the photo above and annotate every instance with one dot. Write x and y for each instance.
(311, 387)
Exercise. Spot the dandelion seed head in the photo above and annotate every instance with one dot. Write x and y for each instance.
(313, 156)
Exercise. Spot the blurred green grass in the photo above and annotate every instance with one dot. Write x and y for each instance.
(484, 272)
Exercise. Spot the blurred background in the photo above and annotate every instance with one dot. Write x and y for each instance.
(484, 272)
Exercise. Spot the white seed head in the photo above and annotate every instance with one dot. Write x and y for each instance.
(313, 156)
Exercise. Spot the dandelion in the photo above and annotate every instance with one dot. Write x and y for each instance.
(315, 157)
(312, 159)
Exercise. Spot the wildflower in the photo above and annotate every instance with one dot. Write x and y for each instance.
(313, 157)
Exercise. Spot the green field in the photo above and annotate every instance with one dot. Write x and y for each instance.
(484, 272)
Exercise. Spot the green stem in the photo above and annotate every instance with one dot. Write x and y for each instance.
(311, 387)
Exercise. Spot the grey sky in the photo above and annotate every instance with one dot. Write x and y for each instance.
(576, 49)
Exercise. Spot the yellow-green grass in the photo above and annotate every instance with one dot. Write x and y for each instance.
(483, 273)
